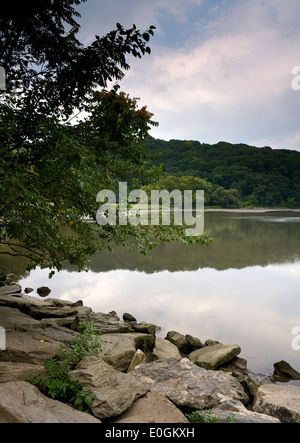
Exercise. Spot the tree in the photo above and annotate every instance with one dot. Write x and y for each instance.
(52, 164)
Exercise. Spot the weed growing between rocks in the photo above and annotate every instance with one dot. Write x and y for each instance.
(56, 382)
(208, 416)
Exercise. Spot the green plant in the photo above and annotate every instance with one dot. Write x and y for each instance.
(207, 416)
(56, 382)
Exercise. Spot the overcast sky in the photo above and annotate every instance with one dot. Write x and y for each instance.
(219, 69)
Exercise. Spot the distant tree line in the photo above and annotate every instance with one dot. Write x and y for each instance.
(231, 175)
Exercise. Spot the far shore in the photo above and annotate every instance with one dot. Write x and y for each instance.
(253, 209)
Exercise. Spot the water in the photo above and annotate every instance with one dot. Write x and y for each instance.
(243, 289)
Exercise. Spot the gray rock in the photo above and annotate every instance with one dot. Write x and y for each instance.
(20, 402)
(43, 291)
(235, 412)
(210, 342)
(186, 384)
(211, 357)
(114, 391)
(282, 369)
(152, 408)
(280, 401)
(10, 290)
(105, 323)
(128, 317)
(194, 342)
(12, 371)
(29, 340)
(165, 349)
(40, 312)
(147, 328)
(118, 350)
(139, 358)
(179, 340)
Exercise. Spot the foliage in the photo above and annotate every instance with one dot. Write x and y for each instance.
(207, 416)
(64, 137)
(213, 195)
(56, 382)
(240, 175)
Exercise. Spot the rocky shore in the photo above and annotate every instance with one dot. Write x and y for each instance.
(138, 378)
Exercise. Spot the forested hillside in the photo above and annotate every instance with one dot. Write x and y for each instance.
(254, 176)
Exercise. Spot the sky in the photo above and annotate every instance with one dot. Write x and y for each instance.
(219, 70)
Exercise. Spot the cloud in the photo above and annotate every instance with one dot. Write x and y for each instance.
(219, 70)
(233, 77)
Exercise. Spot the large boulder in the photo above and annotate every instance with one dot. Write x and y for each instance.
(12, 371)
(118, 350)
(186, 384)
(10, 290)
(283, 370)
(152, 408)
(20, 402)
(179, 341)
(28, 340)
(211, 357)
(235, 412)
(165, 349)
(114, 391)
(280, 401)
(105, 323)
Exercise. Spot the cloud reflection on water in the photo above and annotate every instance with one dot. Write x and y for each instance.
(255, 307)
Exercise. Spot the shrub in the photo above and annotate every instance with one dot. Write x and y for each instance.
(56, 382)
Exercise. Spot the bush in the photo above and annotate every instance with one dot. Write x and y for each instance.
(56, 382)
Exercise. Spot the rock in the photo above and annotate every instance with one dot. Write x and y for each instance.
(28, 290)
(118, 350)
(282, 402)
(12, 371)
(188, 385)
(128, 317)
(114, 391)
(211, 357)
(105, 323)
(210, 342)
(235, 365)
(10, 290)
(139, 358)
(165, 349)
(152, 408)
(194, 342)
(40, 312)
(29, 347)
(235, 412)
(29, 340)
(20, 402)
(147, 328)
(282, 369)
(43, 291)
(178, 340)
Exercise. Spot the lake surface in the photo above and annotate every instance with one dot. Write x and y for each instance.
(244, 289)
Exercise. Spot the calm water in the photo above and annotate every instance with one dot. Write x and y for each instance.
(243, 289)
